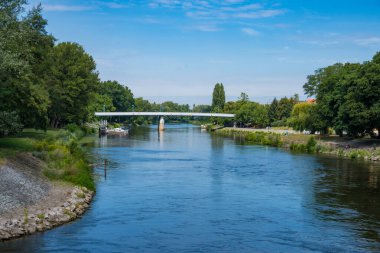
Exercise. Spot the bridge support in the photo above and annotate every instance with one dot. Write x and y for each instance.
(161, 124)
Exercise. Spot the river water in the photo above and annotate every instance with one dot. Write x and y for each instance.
(185, 190)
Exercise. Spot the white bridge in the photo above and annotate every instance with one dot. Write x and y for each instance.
(162, 114)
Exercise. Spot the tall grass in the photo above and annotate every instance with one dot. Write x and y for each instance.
(61, 150)
(262, 138)
(66, 159)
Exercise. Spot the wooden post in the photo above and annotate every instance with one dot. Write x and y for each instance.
(105, 168)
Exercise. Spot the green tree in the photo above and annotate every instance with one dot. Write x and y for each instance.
(304, 117)
(24, 48)
(72, 86)
(347, 96)
(202, 108)
(9, 123)
(273, 111)
(218, 98)
(253, 114)
(122, 96)
(243, 98)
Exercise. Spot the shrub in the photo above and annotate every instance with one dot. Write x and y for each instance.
(66, 159)
(311, 145)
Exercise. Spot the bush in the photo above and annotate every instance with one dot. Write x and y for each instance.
(311, 145)
(299, 147)
(66, 159)
(269, 139)
(354, 154)
(9, 123)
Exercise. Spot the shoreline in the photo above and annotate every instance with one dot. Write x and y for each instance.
(30, 202)
(77, 202)
(340, 148)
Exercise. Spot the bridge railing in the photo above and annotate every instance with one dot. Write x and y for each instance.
(182, 114)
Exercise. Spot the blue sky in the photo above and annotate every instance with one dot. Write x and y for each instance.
(172, 49)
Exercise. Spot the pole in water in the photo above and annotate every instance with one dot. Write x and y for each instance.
(105, 168)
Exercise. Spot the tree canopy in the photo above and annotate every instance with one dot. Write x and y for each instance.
(218, 98)
(348, 97)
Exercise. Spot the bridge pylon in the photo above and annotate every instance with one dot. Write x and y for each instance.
(161, 124)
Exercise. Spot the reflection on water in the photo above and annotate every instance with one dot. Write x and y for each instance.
(348, 191)
(184, 190)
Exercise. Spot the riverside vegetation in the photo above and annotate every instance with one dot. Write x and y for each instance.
(314, 144)
(61, 150)
(31, 158)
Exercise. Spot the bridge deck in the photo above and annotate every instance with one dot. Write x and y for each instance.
(184, 114)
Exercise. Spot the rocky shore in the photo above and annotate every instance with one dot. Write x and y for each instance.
(29, 202)
(28, 223)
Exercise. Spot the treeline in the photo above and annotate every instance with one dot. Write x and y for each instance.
(347, 99)
(347, 102)
(44, 84)
(253, 114)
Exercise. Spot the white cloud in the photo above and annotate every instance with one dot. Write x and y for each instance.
(206, 28)
(116, 5)
(368, 41)
(260, 14)
(250, 31)
(227, 9)
(58, 7)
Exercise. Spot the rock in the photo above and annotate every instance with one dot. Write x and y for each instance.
(76, 203)
(32, 229)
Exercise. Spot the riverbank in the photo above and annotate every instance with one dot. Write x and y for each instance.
(366, 149)
(45, 181)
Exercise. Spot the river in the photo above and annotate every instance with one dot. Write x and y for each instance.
(185, 190)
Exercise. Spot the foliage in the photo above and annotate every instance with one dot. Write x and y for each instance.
(66, 159)
(202, 108)
(263, 138)
(9, 123)
(24, 43)
(121, 96)
(72, 85)
(303, 117)
(253, 114)
(348, 97)
(311, 145)
(218, 98)
(272, 111)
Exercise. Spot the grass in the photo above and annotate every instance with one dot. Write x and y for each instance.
(25, 141)
(62, 150)
(11, 146)
(308, 143)
(41, 216)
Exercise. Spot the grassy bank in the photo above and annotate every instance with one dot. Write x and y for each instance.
(312, 144)
(61, 150)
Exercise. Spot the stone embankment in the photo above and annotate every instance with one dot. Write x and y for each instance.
(45, 219)
(30, 203)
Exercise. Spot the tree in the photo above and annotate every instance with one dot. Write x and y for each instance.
(272, 111)
(218, 98)
(9, 123)
(72, 86)
(24, 49)
(202, 108)
(284, 108)
(243, 97)
(253, 114)
(304, 117)
(122, 96)
(347, 96)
